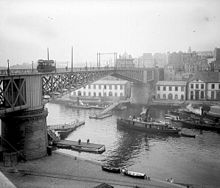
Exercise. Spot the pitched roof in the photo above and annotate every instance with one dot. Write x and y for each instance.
(207, 76)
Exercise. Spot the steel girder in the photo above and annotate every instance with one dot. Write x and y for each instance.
(60, 82)
(12, 93)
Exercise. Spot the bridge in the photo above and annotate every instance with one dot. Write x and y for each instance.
(21, 100)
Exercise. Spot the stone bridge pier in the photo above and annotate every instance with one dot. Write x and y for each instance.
(26, 131)
(140, 93)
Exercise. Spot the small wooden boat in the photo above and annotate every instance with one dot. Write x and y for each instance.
(100, 116)
(187, 135)
(111, 169)
(132, 174)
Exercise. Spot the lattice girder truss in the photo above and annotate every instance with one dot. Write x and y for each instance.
(12, 93)
(70, 81)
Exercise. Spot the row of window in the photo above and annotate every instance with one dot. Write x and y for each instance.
(170, 88)
(170, 96)
(99, 86)
(110, 94)
(203, 86)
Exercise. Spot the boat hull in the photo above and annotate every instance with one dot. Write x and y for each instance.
(149, 127)
(111, 169)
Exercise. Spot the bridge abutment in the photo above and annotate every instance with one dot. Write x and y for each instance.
(26, 131)
(140, 94)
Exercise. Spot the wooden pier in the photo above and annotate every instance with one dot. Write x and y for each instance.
(80, 146)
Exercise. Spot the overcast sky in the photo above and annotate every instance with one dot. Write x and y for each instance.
(28, 27)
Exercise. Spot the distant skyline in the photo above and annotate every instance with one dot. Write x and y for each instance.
(28, 28)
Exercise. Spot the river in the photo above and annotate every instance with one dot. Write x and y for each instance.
(189, 160)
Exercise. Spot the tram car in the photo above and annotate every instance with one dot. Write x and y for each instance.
(45, 65)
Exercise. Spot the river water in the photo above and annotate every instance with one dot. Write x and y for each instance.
(189, 160)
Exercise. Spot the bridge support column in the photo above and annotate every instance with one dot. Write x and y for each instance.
(26, 131)
(140, 94)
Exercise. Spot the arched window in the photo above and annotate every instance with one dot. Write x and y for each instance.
(79, 93)
(170, 96)
(176, 97)
(110, 94)
(182, 97)
(164, 96)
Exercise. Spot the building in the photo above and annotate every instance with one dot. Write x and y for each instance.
(160, 59)
(105, 90)
(204, 86)
(171, 90)
(125, 60)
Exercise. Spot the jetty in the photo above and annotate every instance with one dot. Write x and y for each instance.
(80, 146)
(107, 111)
(65, 129)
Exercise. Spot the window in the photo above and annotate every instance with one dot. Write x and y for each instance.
(104, 94)
(89, 86)
(191, 86)
(176, 88)
(110, 87)
(182, 88)
(100, 86)
(158, 88)
(191, 95)
(121, 94)
(158, 96)
(84, 93)
(213, 86)
(176, 97)
(202, 86)
(116, 95)
(104, 86)
(110, 93)
(212, 95)
(202, 94)
(164, 88)
(164, 96)
(89, 93)
(219, 86)
(94, 94)
(197, 86)
(94, 86)
(170, 96)
(182, 97)
(100, 94)
(79, 93)
(170, 88)
(116, 87)
(121, 87)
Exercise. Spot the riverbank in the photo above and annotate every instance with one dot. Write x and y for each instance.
(62, 170)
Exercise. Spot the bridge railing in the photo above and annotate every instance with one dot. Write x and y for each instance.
(5, 72)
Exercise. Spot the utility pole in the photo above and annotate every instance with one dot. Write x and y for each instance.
(32, 66)
(8, 70)
(72, 59)
(48, 57)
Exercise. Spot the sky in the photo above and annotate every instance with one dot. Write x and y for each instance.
(28, 28)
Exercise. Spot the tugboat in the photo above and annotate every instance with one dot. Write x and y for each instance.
(147, 124)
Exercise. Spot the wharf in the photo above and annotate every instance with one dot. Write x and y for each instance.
(80, 146)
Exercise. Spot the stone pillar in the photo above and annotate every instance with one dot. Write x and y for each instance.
(140, 94)
(26, 130)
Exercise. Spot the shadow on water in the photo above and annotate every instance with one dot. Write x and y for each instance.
(130, 144)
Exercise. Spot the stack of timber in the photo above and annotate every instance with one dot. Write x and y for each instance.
(65, 129)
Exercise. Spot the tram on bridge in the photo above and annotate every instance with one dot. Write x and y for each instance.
(45, 65)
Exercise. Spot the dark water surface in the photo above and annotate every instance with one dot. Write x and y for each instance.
(188, 160)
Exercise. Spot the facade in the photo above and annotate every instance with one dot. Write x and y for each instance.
(171, 90)
(125, 60)
(105, 89)
(204, 86)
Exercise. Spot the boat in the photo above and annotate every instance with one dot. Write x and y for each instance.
(187, 135)
(88, 149)
(197, 124)
(111, 169)
(149, 126)
(100, 116)
(132, 174)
